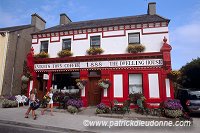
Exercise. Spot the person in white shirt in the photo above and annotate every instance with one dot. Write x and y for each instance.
(50, 104)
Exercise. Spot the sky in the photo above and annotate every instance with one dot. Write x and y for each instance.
(184, 15)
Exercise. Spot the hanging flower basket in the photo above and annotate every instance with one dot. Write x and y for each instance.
(104, 83)
(24, 79)
(81, 83)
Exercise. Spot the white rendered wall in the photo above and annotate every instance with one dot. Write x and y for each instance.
(111, 45)
(153, 86)
(167, 82)
(118, 85)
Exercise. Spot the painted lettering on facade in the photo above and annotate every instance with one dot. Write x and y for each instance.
(100, 64)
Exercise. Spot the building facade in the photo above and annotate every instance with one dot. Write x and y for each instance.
(15, 43)
(144, 72)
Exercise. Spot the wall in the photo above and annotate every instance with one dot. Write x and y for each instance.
(3, 47)
(112, 42)
(18, 47)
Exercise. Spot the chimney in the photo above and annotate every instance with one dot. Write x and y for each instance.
(151, 8)
(38, 21)
(64, 19)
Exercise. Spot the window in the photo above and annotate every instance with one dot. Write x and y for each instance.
(44, 46)
(134, 38)
(95, 42)
(66, 44)
(135, 83)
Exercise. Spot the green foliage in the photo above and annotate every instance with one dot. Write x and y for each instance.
(72, 109)
(135, 48)
(174, 75)
(65, 53)
(190, 74)
(42, 55)
(9, 103)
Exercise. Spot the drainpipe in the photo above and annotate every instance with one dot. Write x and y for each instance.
(13, 69)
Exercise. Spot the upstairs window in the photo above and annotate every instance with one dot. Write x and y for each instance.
(95, 42)
(134, 38)
(66, 44)
(44, 46)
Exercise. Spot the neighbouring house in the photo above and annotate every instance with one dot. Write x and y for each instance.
(15, 43)
(131, 52)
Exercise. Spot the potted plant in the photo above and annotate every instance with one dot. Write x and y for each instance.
(65, 53)
(135, 48)
(81, 83)
(104, 83)
(42, 55)
(173, 108)
(94, 51)
(102, 109)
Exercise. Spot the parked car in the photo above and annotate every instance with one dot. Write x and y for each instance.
(190, 99)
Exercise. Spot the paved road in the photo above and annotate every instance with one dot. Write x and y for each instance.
(11, 128)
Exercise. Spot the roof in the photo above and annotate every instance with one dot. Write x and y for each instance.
(15, 28)
(106, 22)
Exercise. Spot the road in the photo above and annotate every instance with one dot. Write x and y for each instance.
(10, 128)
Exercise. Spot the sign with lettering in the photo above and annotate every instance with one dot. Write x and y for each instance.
(99, 64)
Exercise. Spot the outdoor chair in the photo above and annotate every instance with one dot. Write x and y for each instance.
(24, 99)
(18, 99)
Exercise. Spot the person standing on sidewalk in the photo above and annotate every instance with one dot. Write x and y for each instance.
(32, 99)
(50, 104)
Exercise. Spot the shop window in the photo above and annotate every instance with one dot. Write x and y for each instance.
(44, 46)
(134, 38)
(135, 83)
(95, 42)
(65, 81)
(66, 44)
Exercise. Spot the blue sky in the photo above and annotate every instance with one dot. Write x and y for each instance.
(184, 26)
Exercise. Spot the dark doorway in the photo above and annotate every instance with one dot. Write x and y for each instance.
(94, 92)
(41, 86)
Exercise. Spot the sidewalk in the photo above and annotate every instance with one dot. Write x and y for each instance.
(66, 122)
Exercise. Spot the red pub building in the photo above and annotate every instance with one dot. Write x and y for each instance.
(132, 53)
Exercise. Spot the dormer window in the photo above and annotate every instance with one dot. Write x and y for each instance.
(95, 42)
(134, 38)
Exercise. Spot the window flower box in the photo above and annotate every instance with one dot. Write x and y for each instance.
(81, 83)
(104, 83)
(42, 55)
(94, 51)
(135, 48)
(65, 53)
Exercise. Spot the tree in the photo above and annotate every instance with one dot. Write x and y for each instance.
(190, 75)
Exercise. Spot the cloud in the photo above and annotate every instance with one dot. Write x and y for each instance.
(185, 40)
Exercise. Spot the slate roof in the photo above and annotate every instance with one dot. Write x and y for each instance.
(106, 22)
(15, 28)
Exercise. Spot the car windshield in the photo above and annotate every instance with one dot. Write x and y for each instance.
(194, 95)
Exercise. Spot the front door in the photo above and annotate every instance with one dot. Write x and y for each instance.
(94, 92)
(41, 88)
